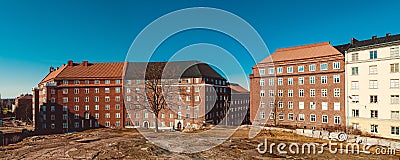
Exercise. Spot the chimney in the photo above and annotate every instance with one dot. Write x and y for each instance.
(387, 34)
(85, 63)
(70, 63)
(51, 69)
(353, 40)
(374, 37)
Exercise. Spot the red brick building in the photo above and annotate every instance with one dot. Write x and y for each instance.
(23, 107)
(79, 96)
(300, 87)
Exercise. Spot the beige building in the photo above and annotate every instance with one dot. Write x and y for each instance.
(372, 85)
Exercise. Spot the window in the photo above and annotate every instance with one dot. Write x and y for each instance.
(300, 69)
(324, 79)
(312, 67)
(65, 91)
(280, 104)
(373, 54)
(76, 116)
(301, 80)
(280, 116)
(394, 52)
(354, 57)
(76, 124)
(312, 92)
(354, 85)
(279, 70)
(394, 83)
(301, 105)
(117, 81)
(197, 89)
(374, 113)
(354, 71)
(394, 130)
(262, 71)
(280, 93)
(301, 117)
(394, 99)
(312, 79)
(76, 91)
(324, 106)
(96, 107)
(271, 81)
(336, 92)
(313, 118)
(289, 69)
(336, 65)
(65, 108)
(336, 106)
(271, 71)
(96, 99)
(324, 92)
(394, 68)
(324, 66)
(107, 107)
(271, 104)
(196, 98)
(262, 115)
(336, 120)
(324, 118)
(107, 124)
(96, 90)
(117, 115)
(336, 78)
(290, 105)
(395, 115)
(280, 81)
(355, 113)
(107, 115)
(96, 81)
(301, 92)
(76, 99)
(373, 99)
(373, 84)
(313, 105)
(65, 81)
(65, 99)
(262, 82)
(76, 108)
(290, 81)
(86, 107)
(107, 81)
(290, 116)
(355, 99)
(262, 93)
(107, 98)
(373, 70)
(374, 128)
(290, 93)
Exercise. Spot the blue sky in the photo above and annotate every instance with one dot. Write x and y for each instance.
(37, 34)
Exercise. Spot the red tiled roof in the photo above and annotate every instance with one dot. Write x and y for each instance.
(93, 70)
(302, 52)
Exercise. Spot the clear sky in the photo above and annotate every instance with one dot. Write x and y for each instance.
(35, 35)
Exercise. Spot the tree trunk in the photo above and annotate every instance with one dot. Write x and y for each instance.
(156, 122)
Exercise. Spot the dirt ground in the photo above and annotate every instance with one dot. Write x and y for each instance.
(130, 144)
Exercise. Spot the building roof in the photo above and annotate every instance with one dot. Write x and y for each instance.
(236, 88)
(86, 70)
(387, 40)
(93, 70)
(170, 70)
(302, 52)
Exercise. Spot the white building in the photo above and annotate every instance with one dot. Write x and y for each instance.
(372, 85)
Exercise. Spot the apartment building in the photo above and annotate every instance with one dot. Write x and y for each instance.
(79, 96)
(300, 87)
(239, 107)
(194, 93)
(372, 87)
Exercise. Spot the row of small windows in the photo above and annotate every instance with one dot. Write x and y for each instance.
(183, 80)
(86, 99)
(301, 117)
(89, 81)
(312, 93)
(289, 69)
(373, 84)
(86, 108)
(394, 130)
(395, 115)
(373, 69)
(394, 99)
(313, 105)
(301, 80)
(394, 52)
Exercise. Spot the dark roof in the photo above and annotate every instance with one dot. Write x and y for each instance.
(369, 43)
(169, 70)
(236, 88)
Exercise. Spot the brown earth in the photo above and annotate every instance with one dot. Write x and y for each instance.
(130, 144)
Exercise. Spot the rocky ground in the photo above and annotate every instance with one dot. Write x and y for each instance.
(130, 144)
